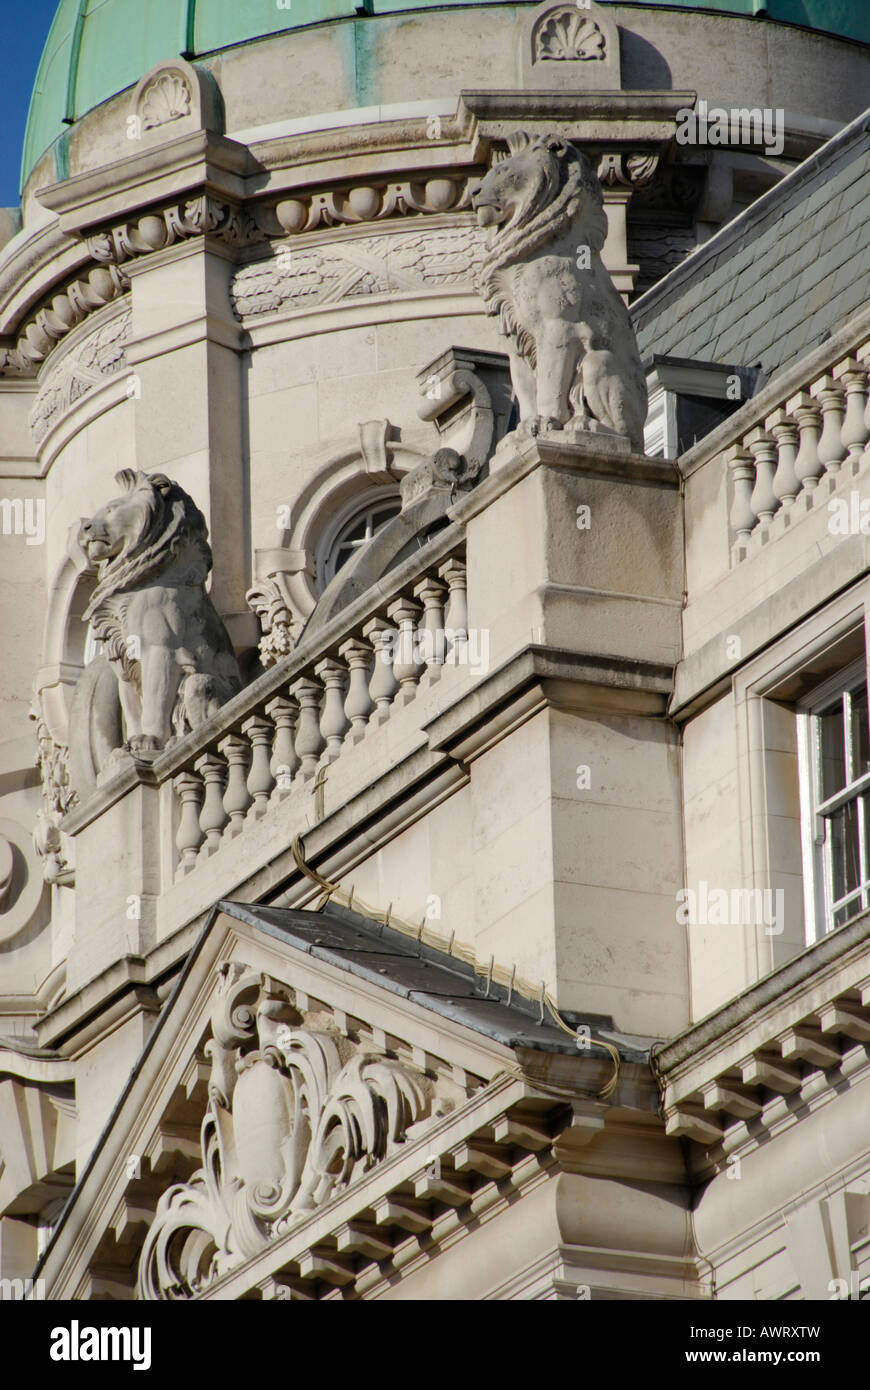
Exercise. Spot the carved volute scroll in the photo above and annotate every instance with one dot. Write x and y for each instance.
(296, 1111)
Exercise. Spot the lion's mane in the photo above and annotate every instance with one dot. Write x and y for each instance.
(172, 532)
(564, 185)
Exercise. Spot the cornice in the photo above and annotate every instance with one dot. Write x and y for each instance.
(201, 184)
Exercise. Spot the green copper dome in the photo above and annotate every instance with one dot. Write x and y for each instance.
(96, 48)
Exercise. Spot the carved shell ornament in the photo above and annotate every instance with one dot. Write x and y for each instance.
(167, 99)
(568, 35)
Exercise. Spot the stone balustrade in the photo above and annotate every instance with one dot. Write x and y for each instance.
(817, 438)
(327, 702)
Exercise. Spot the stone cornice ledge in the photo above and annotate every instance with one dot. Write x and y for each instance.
(772, 1040)
(534, 678)
(593, 458)
(190, 162)
(592, 117)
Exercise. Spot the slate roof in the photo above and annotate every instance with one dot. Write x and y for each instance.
(442, 983)
(781, 277)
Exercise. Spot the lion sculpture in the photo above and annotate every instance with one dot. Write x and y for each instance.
(167, 664)
(573, 354)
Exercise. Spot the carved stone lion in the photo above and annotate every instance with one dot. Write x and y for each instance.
(167, 662)
(572, 347)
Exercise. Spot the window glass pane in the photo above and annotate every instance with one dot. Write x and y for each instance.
(860, 736)
(848, 911)
(357, 532)
(844, 849)
(832, 763)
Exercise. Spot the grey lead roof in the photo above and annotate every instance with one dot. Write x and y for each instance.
(445, 984)
(781, 277)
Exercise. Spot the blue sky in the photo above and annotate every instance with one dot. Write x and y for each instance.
(24, 25)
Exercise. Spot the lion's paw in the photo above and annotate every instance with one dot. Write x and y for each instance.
(545, 424)
(143, 743)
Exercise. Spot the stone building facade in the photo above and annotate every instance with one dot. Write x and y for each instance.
(433, 841)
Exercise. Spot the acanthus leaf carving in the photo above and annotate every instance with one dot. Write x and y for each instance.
(271, 603)
(631, 170)
(58, 797)
(295, 1112)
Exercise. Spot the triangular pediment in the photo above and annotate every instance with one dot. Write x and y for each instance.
(316, 1085)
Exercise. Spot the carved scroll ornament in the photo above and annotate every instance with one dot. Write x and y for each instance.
(295, 1114)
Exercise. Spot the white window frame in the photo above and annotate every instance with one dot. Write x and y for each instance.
(819, 903)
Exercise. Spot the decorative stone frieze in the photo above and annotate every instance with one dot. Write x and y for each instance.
(101, 355)
(448, 255)
(631, 170)
(296, 1113)
(373, 202)
(309, 276)
(199, 216)
(81, 297)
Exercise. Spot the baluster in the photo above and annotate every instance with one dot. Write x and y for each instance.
(213, 817)
(785, 480)
(189, 836)
(807, 465)
(309, 743)
(406, 666)
(285, 761)
(359, 704)
(742, 469)
(764, 500)
(456, 618)
(384, 685)
(432, 649)
(333, 721)
(260, 780)
(830, 396)
(237, 752)
(856, 428)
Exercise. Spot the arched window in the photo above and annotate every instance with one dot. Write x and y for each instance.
(353, 528)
